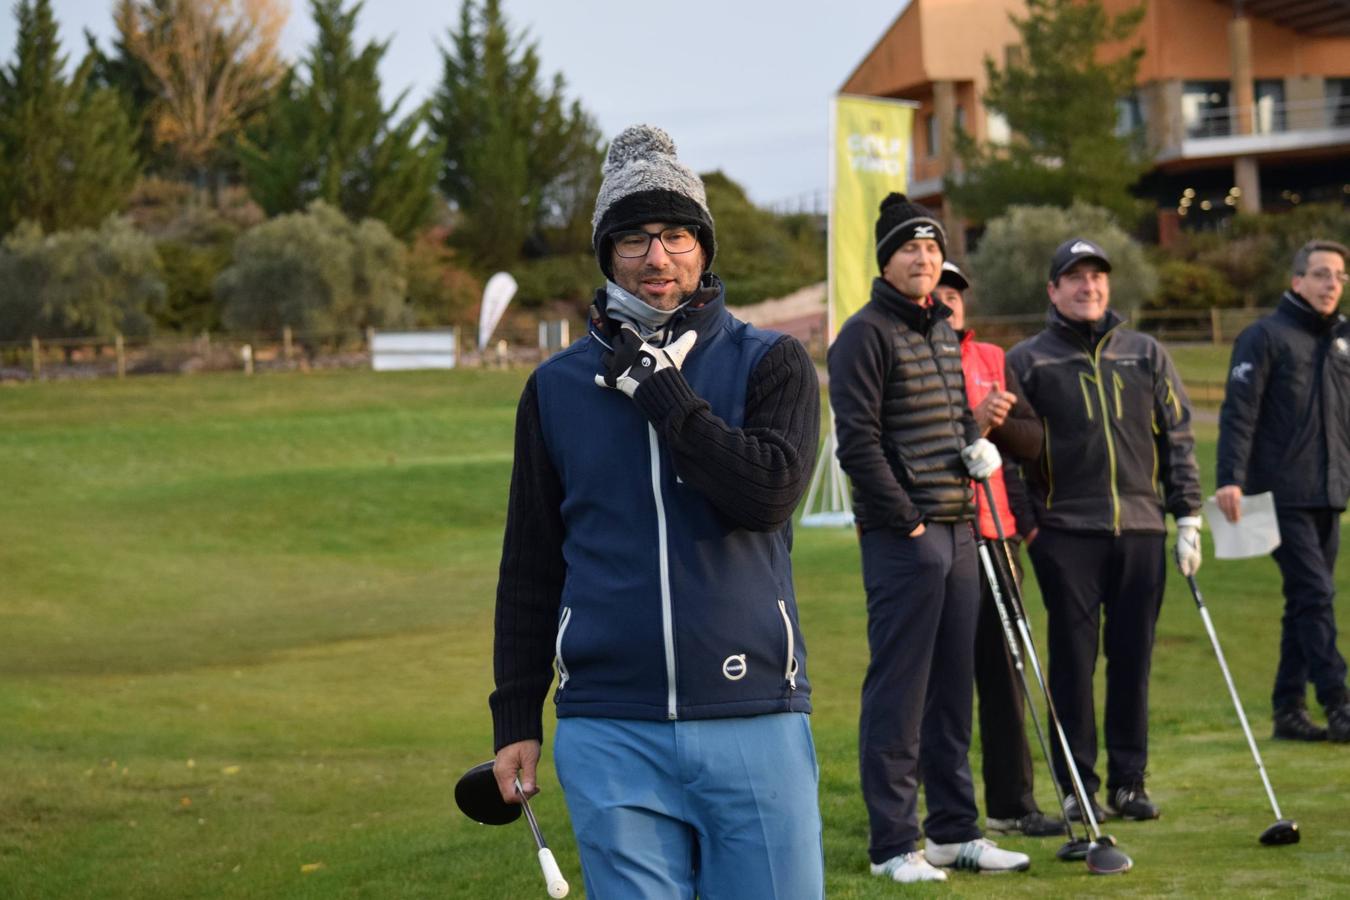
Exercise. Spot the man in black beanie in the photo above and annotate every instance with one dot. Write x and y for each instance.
(658, 462)
(910, 446)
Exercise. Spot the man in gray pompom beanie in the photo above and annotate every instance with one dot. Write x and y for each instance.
(647, 562)
(645, 182)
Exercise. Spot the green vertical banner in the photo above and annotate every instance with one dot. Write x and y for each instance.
(869, 158)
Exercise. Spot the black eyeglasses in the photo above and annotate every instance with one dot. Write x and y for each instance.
(634, 244)
(1327, 275)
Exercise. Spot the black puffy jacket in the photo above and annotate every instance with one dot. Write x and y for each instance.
(900, 413)
(1285, 421)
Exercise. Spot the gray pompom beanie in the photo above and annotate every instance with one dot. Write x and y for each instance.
(644, 182)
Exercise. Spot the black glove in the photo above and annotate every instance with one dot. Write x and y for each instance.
(633, 360)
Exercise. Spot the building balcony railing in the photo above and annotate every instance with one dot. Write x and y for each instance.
(1271, 118)
(1276, 128)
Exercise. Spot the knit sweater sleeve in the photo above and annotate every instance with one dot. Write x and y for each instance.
(754, 474)
(529, 585)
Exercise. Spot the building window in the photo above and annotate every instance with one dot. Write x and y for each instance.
(1269, 116)
(960, 117)
(931, 126)
(1338, 102)
(1129, 115)
(996, 128)
(1205, 109)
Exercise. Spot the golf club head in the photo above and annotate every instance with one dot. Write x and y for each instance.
(477, 796)
(1073, 851)
(1285, 831)
(1105, 858)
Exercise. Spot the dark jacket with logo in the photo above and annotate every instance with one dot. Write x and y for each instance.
(1118, 448)
(900, 413)
(646, 547)
(1285, 422)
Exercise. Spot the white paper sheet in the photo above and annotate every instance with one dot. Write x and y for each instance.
(1255, 534)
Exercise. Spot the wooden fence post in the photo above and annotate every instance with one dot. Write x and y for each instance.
(1216, 325)
(121, 356)
(37, 358)
(286, 343)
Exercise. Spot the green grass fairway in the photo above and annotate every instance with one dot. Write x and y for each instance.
(245, 650)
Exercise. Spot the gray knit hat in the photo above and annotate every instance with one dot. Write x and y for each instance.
(644, 182)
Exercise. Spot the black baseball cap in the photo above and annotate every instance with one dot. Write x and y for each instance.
(953, 277)
(1073, 250)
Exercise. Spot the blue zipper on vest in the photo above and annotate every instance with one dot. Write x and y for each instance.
(667, 620)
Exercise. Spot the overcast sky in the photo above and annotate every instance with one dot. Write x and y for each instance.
(741, 85)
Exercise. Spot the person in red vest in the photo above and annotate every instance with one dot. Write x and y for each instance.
(1006, 418)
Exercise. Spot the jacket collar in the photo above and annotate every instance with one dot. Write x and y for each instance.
(1076, 332)
(1296, 308)
(907, 309)
(703, 313)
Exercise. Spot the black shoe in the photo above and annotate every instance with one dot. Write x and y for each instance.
(1033, 824)
(1292, 724)
(1338, 723)
(1131, 801)
(1071, 810)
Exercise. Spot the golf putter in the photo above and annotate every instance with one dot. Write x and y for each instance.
(477, 796)
(1103, 856)
(1284, 831)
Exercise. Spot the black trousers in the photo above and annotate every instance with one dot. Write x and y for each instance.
(1309, 541)
(1085, 579)
(915, 722)
(1007, 773)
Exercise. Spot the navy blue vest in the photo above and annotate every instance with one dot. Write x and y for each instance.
(669, 610)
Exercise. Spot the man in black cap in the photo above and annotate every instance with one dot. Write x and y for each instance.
(1117, 439)
(910, 446)
(1005, 416)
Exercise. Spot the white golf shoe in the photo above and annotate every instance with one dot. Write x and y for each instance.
(908, 868)
(980, 855)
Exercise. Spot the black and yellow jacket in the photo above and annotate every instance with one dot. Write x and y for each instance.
(1118, 449)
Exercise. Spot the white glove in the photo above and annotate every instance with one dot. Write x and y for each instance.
(634, 360)
(981, 459)
(1187, 550)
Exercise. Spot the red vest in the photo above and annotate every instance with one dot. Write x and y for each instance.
(982, 365)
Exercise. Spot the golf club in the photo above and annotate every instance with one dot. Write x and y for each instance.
(477, 796)
(1075, 849)
(1284, 831)
(1103, 856)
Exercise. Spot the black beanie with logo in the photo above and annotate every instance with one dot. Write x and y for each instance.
(901, 221)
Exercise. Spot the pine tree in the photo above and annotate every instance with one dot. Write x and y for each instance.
(67, 151)
(1060, 102)
(328, 136)
(520, 162)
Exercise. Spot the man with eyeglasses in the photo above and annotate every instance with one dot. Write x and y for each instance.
(658, 462)
(1285, 427)
(1117, 456)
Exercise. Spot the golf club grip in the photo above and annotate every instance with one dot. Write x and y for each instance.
(557, 885)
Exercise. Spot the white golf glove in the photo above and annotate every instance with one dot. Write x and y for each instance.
(634, 360)
(981, 459)
(1187, 550)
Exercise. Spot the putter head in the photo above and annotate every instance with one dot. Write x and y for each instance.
(1073, 851)
(477, 797)
(1105, 858)
(1285, 831)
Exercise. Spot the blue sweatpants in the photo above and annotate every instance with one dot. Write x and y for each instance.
(711, 807)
